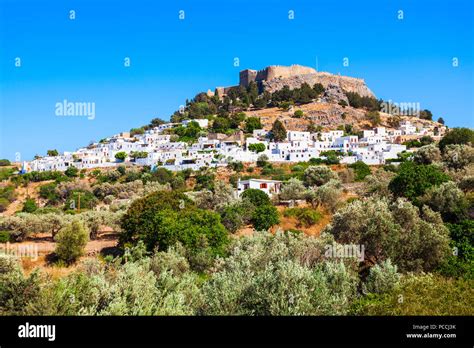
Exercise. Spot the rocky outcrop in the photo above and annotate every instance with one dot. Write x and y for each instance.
(346, 83)
(334, 94)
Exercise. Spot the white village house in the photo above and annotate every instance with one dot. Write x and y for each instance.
(270, 187)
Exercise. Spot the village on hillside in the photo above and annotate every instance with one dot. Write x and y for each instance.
(318, 114)
(154, 148)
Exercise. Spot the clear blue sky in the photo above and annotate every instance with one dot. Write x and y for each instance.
(407, 60)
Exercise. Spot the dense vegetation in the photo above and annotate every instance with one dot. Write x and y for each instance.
(180, 250)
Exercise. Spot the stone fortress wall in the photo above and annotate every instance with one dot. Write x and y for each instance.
(275, 77)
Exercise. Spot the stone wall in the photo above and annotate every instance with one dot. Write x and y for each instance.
(277, 71)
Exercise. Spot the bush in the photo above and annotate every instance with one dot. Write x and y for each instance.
(71, 241)
(383, 278)
(16, 290)
(398, 231)
(457, 136)
(4, 203)
(429, 294)
(256, 197)
(79, 199)
(373, 117)
(278, 132)
(458, 156)
(162, 175)
(71, 172)
(318, 175)
(427, 154)
(278, 274)
(121, 156)
(252, 123)
(298, 113)
(327, 195)
(137, 220)
(292, 190)
(163, 218)
(306, 216)
(236, 215)
(258, 147)
(193, 228)
(4, 163)
(414, 180)
(447, 199)
(236, 166)
(262, 161)
(265, 217)
(4, 236)
(29, 206)
(361, 170)
(50, 193)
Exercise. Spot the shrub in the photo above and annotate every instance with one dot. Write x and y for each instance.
(278, 274)
(414, 180)
(252, 123)
(292, 190)
(256, 197)
(71, 172)
(361, 170)
(4, 236)
(373, 117)
(258, 147)
(264, 217)
(236, 166)
(236, 215)
(457, 136)
(4, 203)
(278, 132)
(50, 193)
(306, 216)
(221, 194)
(81, 200)
(447, 199)
(425, 294)
(383, 278)
(29, 206)
(71, 241)
(458, 156)
(347, 175)
(327, 195)
(427, 155)
(140, 214)
(413, 241)
(162, 175)
(121, 156)
(190, 227)
(377, 183)
(318, 175)
(262, 161)
(4, 163)
(16, 290)
(298, 113)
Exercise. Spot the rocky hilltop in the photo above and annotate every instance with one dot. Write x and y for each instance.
(275, 77)
(349, 84)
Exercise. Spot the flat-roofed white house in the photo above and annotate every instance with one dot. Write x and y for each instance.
(270, 187)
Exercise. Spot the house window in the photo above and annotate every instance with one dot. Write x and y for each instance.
(263, 186)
